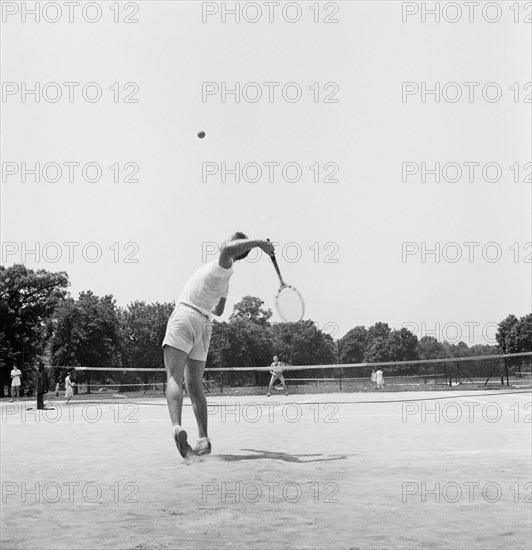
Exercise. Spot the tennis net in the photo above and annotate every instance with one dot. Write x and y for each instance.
(512, 370)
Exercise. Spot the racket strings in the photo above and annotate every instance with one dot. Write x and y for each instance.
(290, 304)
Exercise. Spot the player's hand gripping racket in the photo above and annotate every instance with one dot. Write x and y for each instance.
(288, 302)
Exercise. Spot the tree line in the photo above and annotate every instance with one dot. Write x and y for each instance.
(39, 319)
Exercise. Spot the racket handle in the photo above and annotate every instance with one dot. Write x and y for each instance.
(274, 261)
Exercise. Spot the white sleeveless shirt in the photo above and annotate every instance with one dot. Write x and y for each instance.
(205, 288)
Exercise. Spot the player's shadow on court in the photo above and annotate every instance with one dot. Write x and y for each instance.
(285, 457)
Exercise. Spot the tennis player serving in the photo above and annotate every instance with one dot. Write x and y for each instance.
(188, 335)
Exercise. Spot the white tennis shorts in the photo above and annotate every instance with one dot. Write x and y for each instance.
(189, 331)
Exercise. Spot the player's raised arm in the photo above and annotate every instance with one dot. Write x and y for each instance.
(238, 249)
(218, 309)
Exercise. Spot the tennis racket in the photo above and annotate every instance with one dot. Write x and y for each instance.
(288, 302)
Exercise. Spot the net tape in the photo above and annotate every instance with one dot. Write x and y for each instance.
(308, 367)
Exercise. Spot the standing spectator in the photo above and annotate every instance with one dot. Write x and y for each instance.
(69, 387)
(15, 383)
(373, 377)
(42, 386)
(379, 378)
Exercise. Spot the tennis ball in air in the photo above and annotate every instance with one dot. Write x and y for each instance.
(201, 135)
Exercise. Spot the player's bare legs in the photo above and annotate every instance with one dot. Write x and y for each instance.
(175, 361)
(279, 377)
(193, 381)
(283, 383)
(272, 380)
(14, 393)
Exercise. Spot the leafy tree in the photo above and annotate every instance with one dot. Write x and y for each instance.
(482, 349)
(27, 299)
(303, 343)
(143, 327)
(245, 341)
(5, 351)
(379, 331)
(378, 351)
(353, 345)
(430, 348)
(456, 350)
(377, 344)
(247, 344)
(523, 334)
(240, 343)
(514, 336)
(219, 345)
(85, 332)
(506, 334)
(250, 309)
(403, 345)
(249, 340)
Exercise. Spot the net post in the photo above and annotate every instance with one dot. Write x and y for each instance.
(506, 369)
(340, 378)
(447, 377)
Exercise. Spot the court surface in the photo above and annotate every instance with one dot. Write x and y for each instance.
(353, 471)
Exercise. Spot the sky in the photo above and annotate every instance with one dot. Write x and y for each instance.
(337, 110)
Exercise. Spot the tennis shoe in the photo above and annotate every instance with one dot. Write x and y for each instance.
(203, 447)
(180, 438)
